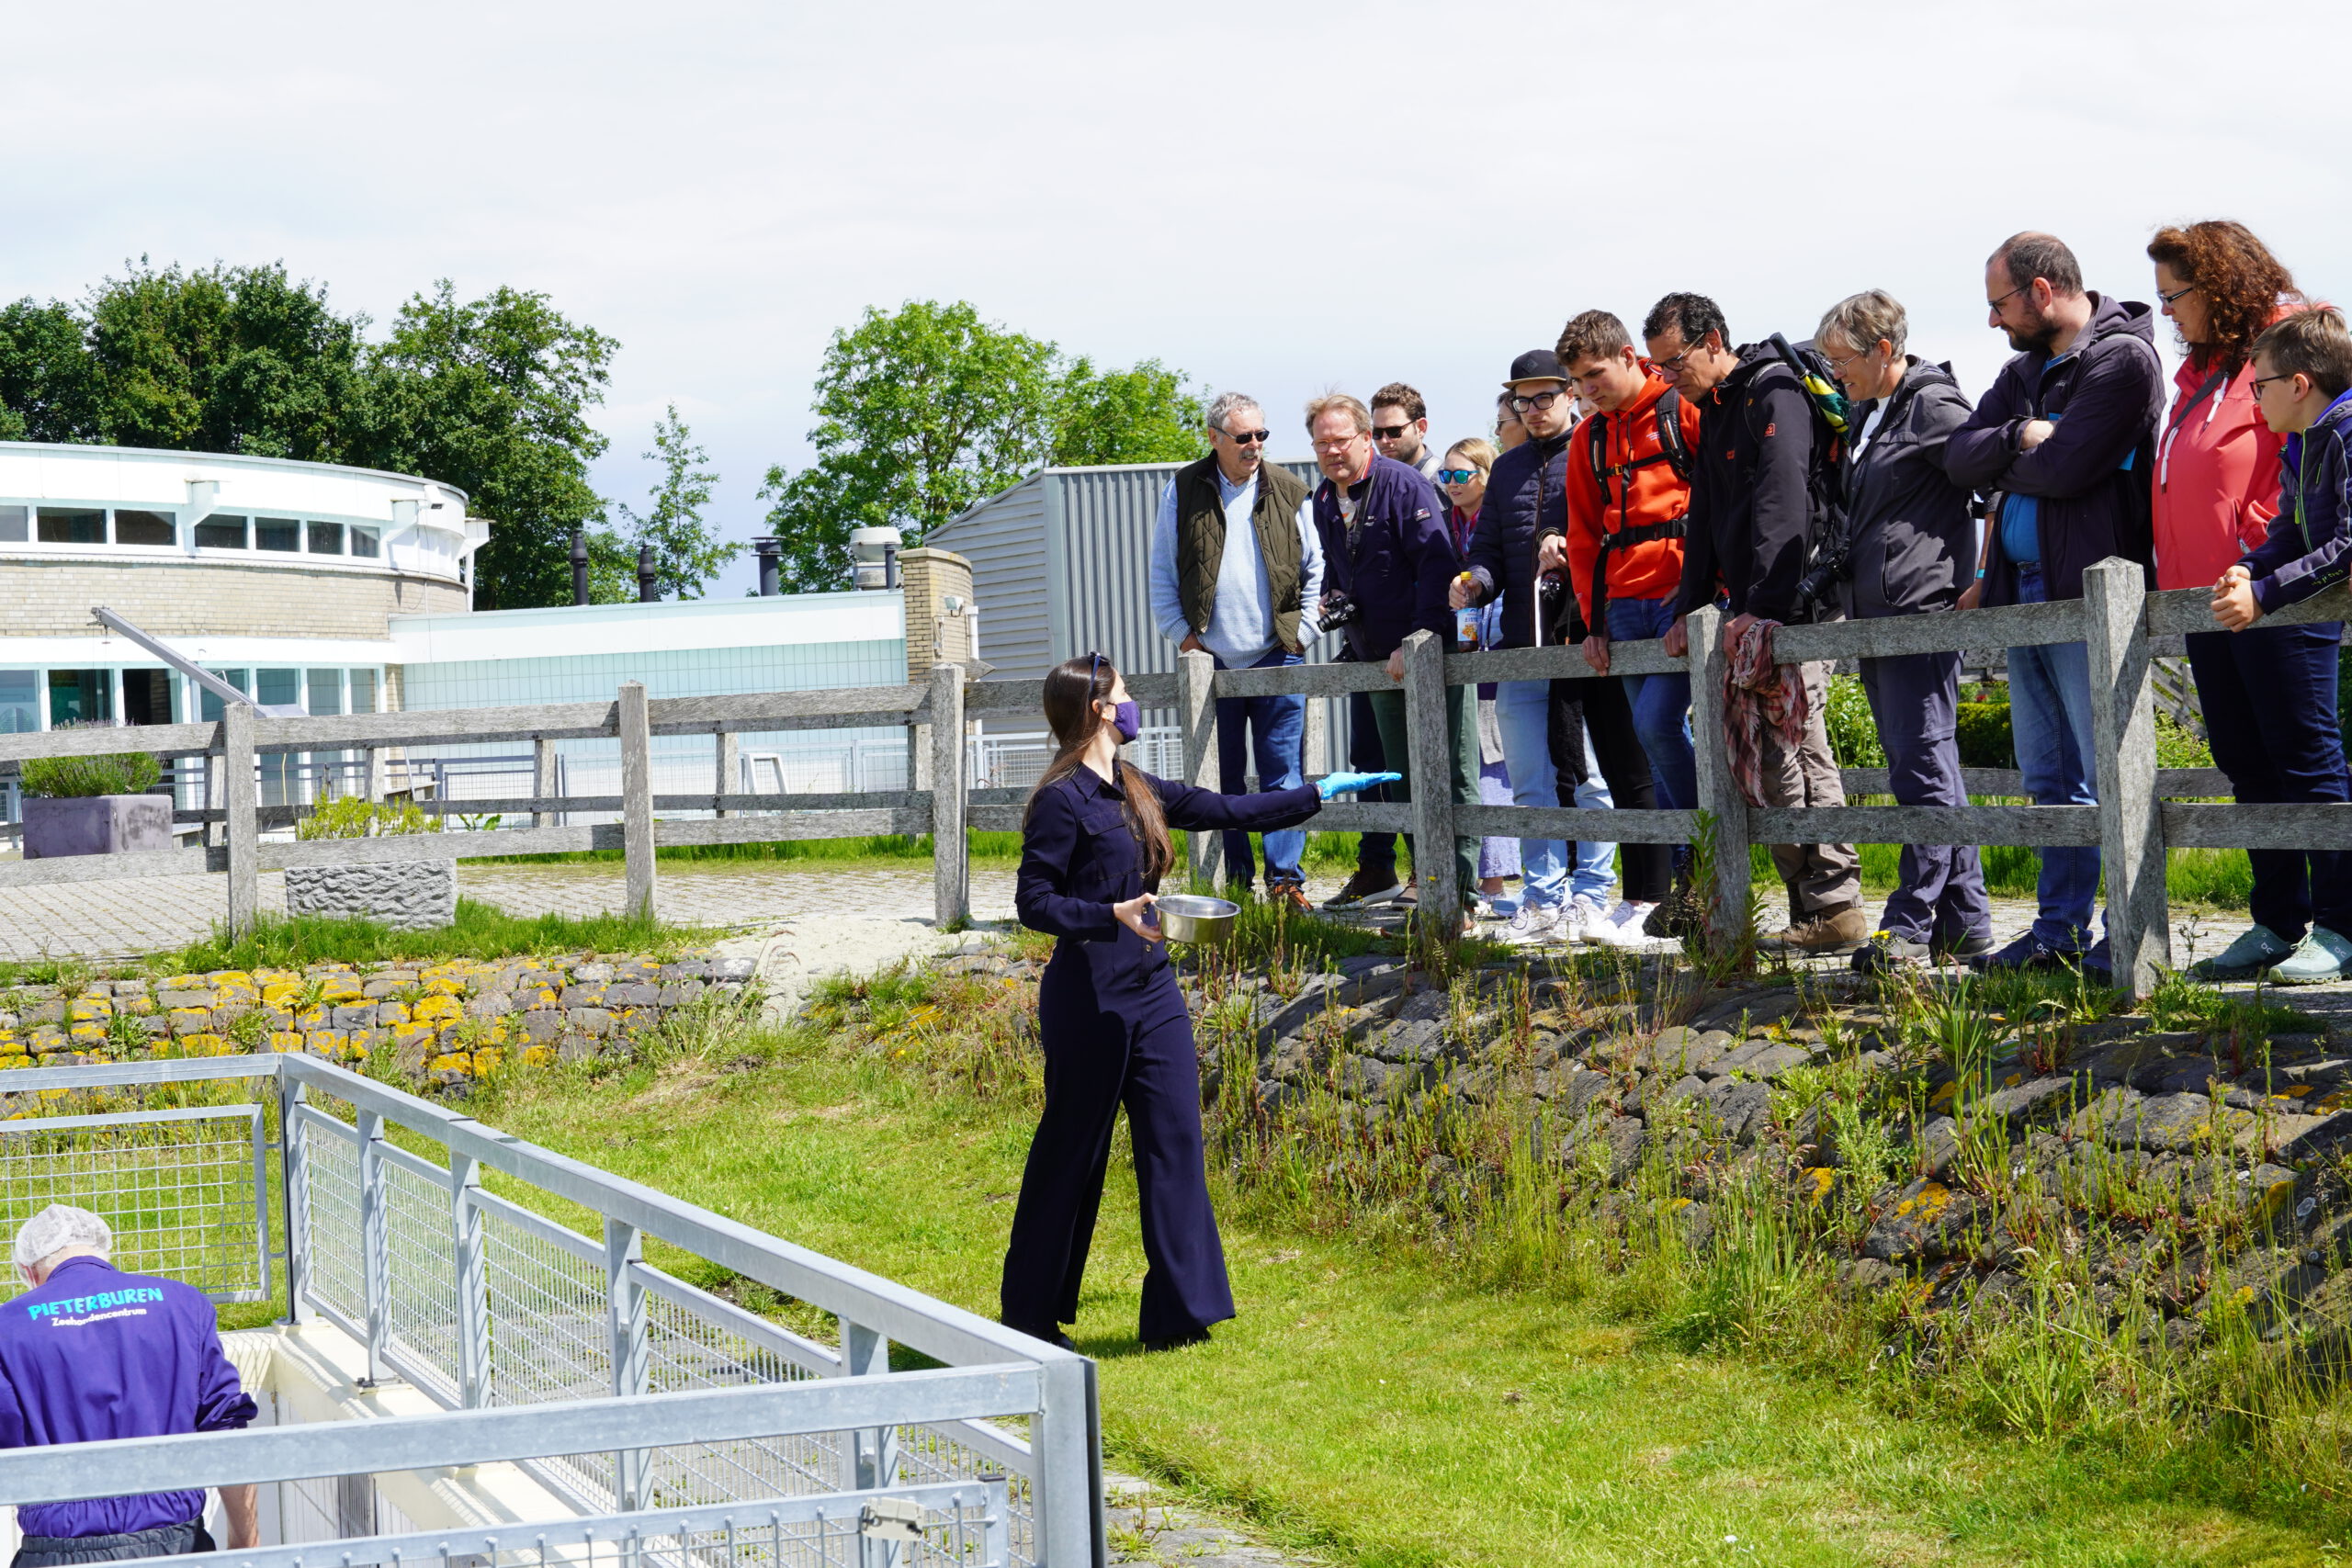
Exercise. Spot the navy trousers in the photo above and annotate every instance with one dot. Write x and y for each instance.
(1939, 890)
(2268, 694)
(1134, 1050)
(1375, 852)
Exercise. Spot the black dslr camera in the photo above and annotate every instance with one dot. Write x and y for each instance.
(1338, 610)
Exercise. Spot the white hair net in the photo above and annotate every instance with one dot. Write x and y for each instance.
(59, 1227)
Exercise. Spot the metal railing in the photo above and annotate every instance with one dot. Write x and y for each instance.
(561, 1352)
(2124, 628)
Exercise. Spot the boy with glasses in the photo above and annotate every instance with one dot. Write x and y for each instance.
(1237, 572)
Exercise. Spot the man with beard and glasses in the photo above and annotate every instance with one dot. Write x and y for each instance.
(2065, 435)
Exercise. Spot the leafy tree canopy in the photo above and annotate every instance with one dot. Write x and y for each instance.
(490, 395)
(927, 410)
(687, 552)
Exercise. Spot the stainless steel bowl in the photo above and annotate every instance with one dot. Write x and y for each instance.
(1189, 917)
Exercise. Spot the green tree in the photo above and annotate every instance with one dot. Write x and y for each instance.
(491, 395)
(687, 552)
(49, 383)
(927, 410)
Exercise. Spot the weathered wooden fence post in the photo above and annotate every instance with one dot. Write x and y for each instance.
(2123, 732)
(727, 782)
(1718, 790)
(1196, 724)
(242, 830)
(637, 796)
(543, 782)
(951, 875)
(1430, 775)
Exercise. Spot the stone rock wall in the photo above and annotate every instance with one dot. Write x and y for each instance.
(441, 1024)
(408, 896)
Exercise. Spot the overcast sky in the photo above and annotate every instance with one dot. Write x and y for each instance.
(1278, 199)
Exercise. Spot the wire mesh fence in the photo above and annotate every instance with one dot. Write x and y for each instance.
(184, 1191)
(421, 1274)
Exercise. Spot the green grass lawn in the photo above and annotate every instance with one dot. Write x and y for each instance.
(1376, 1402)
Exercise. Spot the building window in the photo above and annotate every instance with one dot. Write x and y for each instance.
(325, 691)
(147, 696)
(276, 534)
(144, 527)
(364, 541)
(19, 701)
(209, 704)
(363, 691)
(221, 532)
(73, 525)
(16, 525)
(80, 696)
(326, 538)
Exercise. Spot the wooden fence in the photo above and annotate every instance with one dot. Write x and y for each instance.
(2125, 628)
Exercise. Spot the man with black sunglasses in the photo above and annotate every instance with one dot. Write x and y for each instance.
(1400, 428)
(1237, 572)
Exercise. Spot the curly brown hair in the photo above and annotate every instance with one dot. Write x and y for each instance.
(2240, 280)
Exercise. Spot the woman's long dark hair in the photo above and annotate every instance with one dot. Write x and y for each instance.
(1071, 699)
(2240, 280)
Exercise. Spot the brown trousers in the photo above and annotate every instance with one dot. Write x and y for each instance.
(1820, 876)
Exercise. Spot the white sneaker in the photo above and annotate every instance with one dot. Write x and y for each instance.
(1535, 926)
(1586, 915)
(1623, 927)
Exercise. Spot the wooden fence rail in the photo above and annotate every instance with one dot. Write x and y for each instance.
(2141, 810)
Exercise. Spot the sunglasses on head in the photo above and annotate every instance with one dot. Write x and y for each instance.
(1456, 476)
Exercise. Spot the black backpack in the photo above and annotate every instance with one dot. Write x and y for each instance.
(1828, 541)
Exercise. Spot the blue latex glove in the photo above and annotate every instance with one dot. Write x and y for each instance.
(1330, 784)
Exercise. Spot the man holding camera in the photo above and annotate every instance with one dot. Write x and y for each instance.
(1758, 515)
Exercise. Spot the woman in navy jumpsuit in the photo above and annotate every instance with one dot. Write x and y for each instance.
(1113, 1024)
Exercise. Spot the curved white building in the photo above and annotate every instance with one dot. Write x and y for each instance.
(282, 576)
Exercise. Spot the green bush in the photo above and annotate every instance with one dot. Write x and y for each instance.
(355, 817)
(1853, 730)
(73, 778)
(1984, 733)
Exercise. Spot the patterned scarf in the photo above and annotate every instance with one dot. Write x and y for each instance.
(1759, 698)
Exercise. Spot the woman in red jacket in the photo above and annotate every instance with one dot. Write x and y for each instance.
(2216, 491)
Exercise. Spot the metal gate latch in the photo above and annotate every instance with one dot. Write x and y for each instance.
(890, 1519)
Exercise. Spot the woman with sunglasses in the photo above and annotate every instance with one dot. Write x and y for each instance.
(1113, 1025)
(1463, 479)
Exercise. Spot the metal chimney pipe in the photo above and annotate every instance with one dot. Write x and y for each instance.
(889, 566)
(580, 566)
(771, 553)
(648, 582)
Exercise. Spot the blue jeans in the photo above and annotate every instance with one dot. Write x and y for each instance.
(1277, 731)
(1661, 704)
(2050, 721)
(1523, 712)
(1596, 859)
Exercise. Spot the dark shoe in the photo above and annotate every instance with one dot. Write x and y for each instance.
(1409, 895)
(1177, 1342)
(1678, 917)
(1826, 933)
(2098, 963)
(1967, 947)
(1887, 953)
(2257, 948)
(1289, 896)
(1050, 1335)
(2029, 951)
(1366, 888)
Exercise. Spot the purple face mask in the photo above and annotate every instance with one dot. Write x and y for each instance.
(1128, 721)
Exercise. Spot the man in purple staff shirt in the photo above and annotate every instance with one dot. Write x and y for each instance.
(89, 1353)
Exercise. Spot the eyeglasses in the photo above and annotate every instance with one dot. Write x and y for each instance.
(1390, 431)
(1337, 443)
(2261, 381)
(1673, 365)
(1539, 402)
(1837, 363)
(1456, 476)
(1245, 437)
(2176, 294)
(1995, 305)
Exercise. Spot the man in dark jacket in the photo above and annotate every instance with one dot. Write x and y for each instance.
(89, 1353)
(1912, 532)
(1386, 554)
(1753, 505)
(2066, 435)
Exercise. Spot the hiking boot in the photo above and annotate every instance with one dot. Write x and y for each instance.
(1966, 948)
(1887, 953)
(2257, 948)
(1823, 934)
(2320, 957)
(1290, 896)
(1682, 915)
(2029, 951)
(1365, 888)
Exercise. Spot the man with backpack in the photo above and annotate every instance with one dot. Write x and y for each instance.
(1763, 510)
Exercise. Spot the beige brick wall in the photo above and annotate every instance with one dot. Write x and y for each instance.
(934, 636)
(53, 598)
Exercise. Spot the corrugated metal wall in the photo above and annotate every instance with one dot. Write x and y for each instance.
(1005, 538)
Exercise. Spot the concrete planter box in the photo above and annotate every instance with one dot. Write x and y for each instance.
(412, 895)
(96, 825)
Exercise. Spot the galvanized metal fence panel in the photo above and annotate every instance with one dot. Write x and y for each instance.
(330, 1203)
(185, 1191)
(421, 1305)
